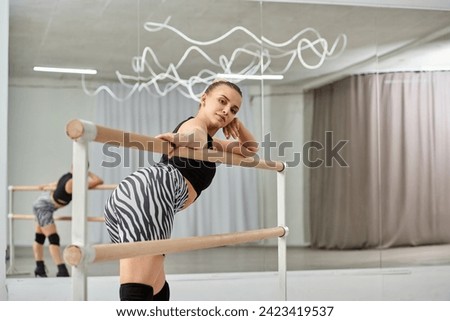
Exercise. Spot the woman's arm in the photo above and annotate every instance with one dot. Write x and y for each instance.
(48, 186)
(245, 143)
(94, 180)
(190, 134)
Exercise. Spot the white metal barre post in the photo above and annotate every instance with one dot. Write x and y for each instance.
(79, 221)
(79, 208)
(281, 221)
(12, 253)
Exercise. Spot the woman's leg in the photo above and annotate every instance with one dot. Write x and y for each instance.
(38, 251)
(38, 245)
(54, 248)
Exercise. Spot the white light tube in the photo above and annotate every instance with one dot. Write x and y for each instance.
(251, 77)
(66, 70)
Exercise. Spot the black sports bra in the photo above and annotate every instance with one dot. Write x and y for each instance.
(60, 195)
(199, 173)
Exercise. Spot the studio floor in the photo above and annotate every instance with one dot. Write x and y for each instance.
(250, 273)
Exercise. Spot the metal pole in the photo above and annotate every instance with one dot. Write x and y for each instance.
(12, 253)
(79, 221)
(12, 248)
(282, 248)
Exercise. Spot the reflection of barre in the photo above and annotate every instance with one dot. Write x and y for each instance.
(38, 188)
(82, 130)
(56, 217)
(74, 255)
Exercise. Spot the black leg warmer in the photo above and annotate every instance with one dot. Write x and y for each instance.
(136, 292)
(164, 294)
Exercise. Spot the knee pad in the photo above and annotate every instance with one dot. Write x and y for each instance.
(136, 292)
(164, 294)
(54, 239)
(39, 238)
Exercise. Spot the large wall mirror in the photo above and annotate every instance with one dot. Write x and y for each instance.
(360, 116)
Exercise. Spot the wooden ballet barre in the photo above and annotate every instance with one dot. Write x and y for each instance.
(56, 217)
(38, 187)
(81, 130)
(74, 255)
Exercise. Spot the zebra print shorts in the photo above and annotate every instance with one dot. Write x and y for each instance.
(43, 209)
(143, 205)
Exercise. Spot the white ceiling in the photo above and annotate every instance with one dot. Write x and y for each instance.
(107, 34)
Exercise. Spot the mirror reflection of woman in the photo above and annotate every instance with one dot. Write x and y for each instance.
(58, 195)
(143, 206)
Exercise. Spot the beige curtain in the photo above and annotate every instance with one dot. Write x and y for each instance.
(395, 190)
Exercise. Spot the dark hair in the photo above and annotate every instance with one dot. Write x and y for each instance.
(217, 83)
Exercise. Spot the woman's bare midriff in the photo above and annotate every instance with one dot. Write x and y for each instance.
(192, 194)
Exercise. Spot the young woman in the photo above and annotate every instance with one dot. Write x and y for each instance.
(143, 206)
(60, 195)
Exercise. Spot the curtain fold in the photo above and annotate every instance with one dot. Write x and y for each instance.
(394, 190)
(228, 205)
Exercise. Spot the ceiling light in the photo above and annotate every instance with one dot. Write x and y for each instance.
(66, 70)
(251, 77)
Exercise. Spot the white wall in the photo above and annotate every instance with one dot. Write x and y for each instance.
(39, 150)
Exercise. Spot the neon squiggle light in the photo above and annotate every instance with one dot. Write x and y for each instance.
(261, 53)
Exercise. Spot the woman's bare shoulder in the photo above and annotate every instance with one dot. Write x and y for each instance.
(192, 125)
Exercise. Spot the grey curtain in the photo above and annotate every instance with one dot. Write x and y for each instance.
(393, 188)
